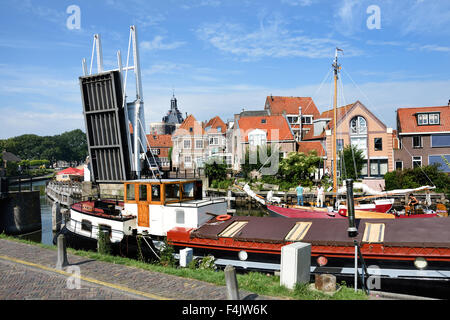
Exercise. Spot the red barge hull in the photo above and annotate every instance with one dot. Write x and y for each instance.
(390, 244)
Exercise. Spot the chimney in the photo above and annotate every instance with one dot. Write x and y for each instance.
(271, 97)
(449, 102)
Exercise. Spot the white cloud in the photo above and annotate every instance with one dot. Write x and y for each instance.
(189, 4)
(301, 3)
(164, 68)
(436, 48)
(271, 39)
(158, 44)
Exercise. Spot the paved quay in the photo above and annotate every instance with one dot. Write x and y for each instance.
(28, 272)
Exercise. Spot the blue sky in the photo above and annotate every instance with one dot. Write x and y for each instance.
(221, 56)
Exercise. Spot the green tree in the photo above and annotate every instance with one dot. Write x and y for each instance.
(298, 166)
(215, 170)
(417, 177)
(69, 146)
(352, 161)
(259, 158)
(73, 145)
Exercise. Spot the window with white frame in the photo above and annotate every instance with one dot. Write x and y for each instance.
(398, 165)
(292, 119)
(358, 125)
(187, 144)
(424, 119)
(417, 141)
(307, 119)
(187, 159)
(213, 141)
(416, 161)
(199, 161)
(198, 144)
(257, 137)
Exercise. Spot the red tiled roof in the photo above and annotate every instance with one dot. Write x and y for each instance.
(307, 146)
(290, 105)
(329, 114)
(159, 140)
(215, 123)
(72, 171)
(407, 119)
(190, 126)
(276, 127)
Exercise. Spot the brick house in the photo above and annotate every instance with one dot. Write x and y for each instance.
(189, 142)
(160, 145)
(423, 137)
(358, 126)
(300, 112)
(195, 142)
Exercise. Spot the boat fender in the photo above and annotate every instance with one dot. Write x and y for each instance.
(343, 212)
(223, 217)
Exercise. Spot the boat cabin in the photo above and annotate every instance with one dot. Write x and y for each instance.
(161, 205)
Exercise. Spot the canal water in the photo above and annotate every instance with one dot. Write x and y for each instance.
(45, 235)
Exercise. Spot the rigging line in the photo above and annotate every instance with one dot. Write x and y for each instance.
(151, 248)
(148, 161)
(317, 91)
(370, 102)
(145, 152)
(353, 152)
(341, 154)
(268, 158)
(403, 147)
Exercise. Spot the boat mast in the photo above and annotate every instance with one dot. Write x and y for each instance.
(336, 68)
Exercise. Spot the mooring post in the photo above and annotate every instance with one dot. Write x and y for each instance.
(232, 284)
(103, 242)
(56, 216)
(229, 199)
(62, 252)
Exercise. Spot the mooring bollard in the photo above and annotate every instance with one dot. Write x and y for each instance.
(56, 216)
(103, 242)
(62, 253)
(232, 284)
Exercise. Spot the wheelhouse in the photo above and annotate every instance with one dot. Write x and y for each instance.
(162, 192)
(161, 205)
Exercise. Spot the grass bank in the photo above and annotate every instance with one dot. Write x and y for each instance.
(259, 283)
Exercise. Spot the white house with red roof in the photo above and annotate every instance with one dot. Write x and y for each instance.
(252, 131)
(195, 142)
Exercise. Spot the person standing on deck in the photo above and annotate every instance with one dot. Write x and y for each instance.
(320, 196)
(299, 190)
(412, 203)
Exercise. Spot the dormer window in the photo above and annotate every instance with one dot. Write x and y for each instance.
(307, 119)
(257, 137)
(263, 120)
(424, 119)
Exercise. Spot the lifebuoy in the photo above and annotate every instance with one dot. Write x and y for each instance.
(223, 217)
